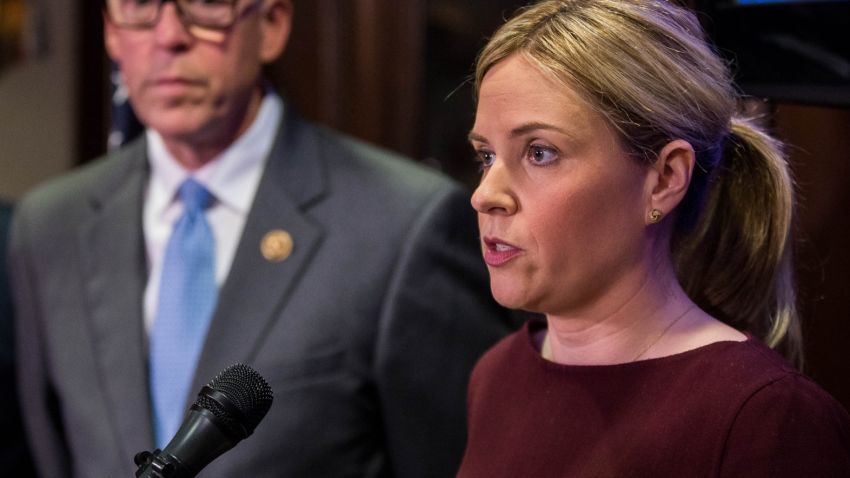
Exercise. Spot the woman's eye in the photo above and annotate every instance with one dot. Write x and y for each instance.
(485, 158)
(541, 155)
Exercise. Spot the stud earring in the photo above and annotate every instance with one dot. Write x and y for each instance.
(655, 216)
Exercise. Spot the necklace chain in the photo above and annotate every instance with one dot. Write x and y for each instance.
(546, 348)
(662, 334)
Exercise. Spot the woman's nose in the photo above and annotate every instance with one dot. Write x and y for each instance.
(494, 194)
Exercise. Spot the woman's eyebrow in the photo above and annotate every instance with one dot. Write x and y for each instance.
(526, 128)
(520, 130)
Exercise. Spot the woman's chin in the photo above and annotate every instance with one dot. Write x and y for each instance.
(510, 297)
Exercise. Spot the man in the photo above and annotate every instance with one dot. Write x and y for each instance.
(350, 279)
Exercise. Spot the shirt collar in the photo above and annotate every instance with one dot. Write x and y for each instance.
(232, 176)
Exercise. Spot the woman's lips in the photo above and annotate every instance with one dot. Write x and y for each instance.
(498, 252)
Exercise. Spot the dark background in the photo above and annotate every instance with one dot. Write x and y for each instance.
(396, 73)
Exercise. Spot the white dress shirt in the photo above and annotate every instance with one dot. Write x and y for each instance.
(232, 177)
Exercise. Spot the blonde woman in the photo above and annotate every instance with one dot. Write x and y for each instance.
(623, 197)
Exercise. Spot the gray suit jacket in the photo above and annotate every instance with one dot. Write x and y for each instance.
(366, 333)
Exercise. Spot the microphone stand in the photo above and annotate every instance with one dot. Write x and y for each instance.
(152, 465)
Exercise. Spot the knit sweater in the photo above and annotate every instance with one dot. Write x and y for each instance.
(728, 409)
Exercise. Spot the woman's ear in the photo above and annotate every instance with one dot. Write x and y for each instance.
(669, 179)
(276, 25)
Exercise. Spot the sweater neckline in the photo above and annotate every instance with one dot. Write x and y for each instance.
(534, 328)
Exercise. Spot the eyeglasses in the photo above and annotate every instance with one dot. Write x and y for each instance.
(214, 14)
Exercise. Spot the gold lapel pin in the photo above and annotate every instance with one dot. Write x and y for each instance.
(276, 245)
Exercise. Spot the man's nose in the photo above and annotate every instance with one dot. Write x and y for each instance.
(171, 30)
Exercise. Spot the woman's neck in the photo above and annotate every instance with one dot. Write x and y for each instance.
(649, 316)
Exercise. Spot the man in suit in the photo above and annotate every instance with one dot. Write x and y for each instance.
(348, 277)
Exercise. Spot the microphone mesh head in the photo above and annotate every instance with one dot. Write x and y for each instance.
(247, 390)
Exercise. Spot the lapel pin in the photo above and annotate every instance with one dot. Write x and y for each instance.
(276, 245)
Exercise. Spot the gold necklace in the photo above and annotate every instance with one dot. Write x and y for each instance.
(546, 347)
(663, 332)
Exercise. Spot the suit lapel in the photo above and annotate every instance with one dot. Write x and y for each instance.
(112, 250)
(256, 288)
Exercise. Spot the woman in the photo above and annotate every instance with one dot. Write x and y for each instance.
(624, 198)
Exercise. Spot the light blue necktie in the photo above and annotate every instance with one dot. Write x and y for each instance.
(187, 296)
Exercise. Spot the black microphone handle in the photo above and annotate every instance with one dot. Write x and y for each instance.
(199, 441)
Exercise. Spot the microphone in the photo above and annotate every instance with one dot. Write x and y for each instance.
(227, 410)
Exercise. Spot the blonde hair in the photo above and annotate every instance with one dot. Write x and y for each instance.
(647, 67)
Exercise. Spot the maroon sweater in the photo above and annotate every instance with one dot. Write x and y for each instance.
(730, 409)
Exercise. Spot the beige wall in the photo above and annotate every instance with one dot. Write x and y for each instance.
(37, 129)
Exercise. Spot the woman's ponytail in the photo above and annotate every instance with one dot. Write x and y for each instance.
(736, 262)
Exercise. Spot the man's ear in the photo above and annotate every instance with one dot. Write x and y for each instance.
(669, 179)
(276, 25)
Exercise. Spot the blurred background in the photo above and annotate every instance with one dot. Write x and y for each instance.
(396, 73)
